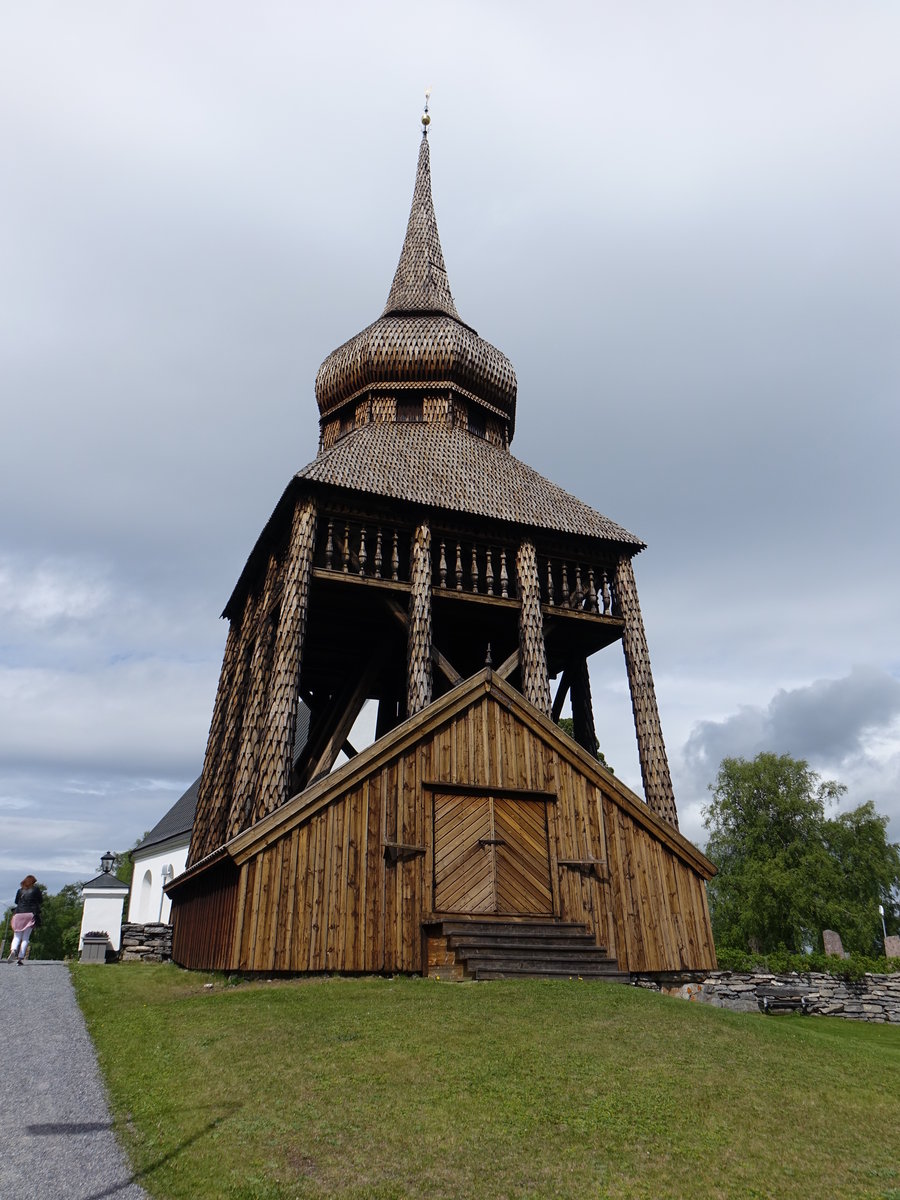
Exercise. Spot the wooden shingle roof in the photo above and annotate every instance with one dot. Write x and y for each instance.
(420, 348)
(484, 683)
(420, 281)
(448, 468)
(419, 337)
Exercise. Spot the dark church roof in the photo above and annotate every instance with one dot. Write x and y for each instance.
(178, 820)
(107, 880)
(449, 468)
(180, 817)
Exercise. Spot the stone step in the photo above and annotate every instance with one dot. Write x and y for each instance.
(529, 972)
(550, 929)
(502, 941)
(538, 949)
(565, 964)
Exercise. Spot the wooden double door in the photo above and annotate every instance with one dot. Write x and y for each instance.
(491, 855)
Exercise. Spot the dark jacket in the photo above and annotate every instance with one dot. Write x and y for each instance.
(29, 900)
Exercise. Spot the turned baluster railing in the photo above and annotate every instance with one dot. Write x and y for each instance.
(348, 549)
(577, 586)
(478, 568)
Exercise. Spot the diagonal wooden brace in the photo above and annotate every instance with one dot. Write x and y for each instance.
(345, 708)
(442, 663)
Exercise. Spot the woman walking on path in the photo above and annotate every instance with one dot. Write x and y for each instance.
(28, 914)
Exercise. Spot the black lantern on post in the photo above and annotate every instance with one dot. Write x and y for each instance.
(106, 862)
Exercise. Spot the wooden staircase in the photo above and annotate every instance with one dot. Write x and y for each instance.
(472, 948)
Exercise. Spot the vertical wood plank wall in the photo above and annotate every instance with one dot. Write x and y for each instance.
(203, 935)
(320, 896)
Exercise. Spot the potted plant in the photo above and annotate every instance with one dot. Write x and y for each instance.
(94, 946)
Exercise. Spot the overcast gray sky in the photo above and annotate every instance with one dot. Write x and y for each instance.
(679, 222)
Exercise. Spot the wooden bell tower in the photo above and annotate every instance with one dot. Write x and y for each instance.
(413, 543)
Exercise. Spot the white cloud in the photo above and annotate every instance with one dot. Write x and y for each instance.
(830, 721)
(71, 819)
(846, 728)
(131, 716)
(13, 802)
(54, 590)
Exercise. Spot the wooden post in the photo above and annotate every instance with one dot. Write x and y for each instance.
(532, 651)
(387, 718)
(209, 820)
(582, 708)
(217, 778)
(284, 693)
(418, 653)
(256, 705)
(651, 747)
(335, 723)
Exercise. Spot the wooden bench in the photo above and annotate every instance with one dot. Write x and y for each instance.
(780, 998)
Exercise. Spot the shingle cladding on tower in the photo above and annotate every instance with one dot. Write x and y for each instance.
(420, 281)
(419, 337)
(446, 468)
(420, 345)
(420, 341)
(407, 349)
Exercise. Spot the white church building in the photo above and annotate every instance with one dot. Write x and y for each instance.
(159, 858)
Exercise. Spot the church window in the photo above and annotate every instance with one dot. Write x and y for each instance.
(144, 911)
(410, 410)
(476, 422)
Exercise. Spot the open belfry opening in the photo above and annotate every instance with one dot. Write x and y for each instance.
(417, 564)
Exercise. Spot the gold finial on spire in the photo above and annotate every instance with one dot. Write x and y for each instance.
(426, 119)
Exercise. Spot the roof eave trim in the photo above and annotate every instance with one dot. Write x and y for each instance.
(320, 794)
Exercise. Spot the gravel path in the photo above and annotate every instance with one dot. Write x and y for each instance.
(56, 1139)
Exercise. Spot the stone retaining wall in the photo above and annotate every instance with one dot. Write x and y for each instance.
(146, 943)
(873, 998)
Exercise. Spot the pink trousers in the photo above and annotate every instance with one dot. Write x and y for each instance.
(22, 924)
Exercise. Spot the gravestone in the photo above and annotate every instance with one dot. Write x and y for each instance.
(892, 946)
(833, 943)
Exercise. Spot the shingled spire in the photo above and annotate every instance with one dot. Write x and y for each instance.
(419, 346)
(420, 282)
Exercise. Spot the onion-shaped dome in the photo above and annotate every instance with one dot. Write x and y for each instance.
(419, 339)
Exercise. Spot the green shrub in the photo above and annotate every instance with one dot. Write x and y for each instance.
(782, 962)
(70, 939)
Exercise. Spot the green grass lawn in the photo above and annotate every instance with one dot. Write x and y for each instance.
(411, 1088)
